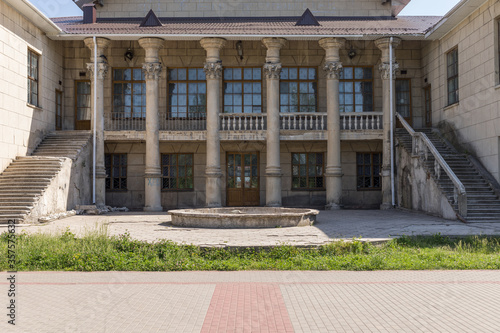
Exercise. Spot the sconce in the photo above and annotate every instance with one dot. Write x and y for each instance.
(352, 53)
(239, 49)
(129, 55)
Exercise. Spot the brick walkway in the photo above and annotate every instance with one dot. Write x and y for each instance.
(385, 301)
(367, 224)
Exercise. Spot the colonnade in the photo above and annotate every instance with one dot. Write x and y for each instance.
(213, 69)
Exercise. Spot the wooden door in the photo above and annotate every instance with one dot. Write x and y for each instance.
(242, 179)
(82, 105)
(428, 106)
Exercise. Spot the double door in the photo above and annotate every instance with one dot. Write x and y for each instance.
(242, 179)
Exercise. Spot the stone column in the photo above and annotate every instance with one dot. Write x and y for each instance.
(101, 72)
(213, 71)
(383, 45)
(272, 70)
(333, 171)
(152, 69)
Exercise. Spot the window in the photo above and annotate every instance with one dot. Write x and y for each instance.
(356, 89)
(187, 93)
(116, 171)
(177, 171)
(307, 171)
(82, 105)
(452, 74)
(428, 106)
(403, 98)
(242, 90)
(129, 93)
(368, 171)
(58, 109)
(33, 61)
(298, 89)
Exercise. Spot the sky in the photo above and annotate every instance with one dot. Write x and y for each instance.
(60, 8)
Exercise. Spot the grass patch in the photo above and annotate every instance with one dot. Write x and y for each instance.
(99, 252)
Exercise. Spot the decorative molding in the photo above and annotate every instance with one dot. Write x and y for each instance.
(333, 69)
(151, 70)
(102, 70)
(213, 70)
(385, 69)
(272, 70)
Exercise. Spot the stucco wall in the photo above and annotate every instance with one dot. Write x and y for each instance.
(22, 127)
(474, 122)
(231, 8)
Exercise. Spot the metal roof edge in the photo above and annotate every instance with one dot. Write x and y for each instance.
(35, 16)
(454, 17)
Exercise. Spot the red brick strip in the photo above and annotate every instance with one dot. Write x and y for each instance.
(247, 307)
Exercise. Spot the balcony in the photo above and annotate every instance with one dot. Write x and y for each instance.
(248, 126)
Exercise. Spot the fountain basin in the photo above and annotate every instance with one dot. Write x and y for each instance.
(243, 217)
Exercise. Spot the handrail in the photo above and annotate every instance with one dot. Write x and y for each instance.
(420, 147)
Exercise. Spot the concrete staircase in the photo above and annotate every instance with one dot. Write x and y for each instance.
(63, 144)
(483, 202)
(24, 182)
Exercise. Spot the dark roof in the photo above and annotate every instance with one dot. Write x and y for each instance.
(272, 26)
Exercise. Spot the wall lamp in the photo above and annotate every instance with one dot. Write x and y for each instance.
(239, 49)
(129, 55)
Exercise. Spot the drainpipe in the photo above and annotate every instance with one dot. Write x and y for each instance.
(95, 121)
(391, 94)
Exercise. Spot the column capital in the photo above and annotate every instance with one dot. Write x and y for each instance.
(102, 70)
(151, 70)
(332, 46)
(272, 70)
(383, 45)
(333, 69)
(213, 70)
(385, 70)
(213, 45)
(102, 44)
(152, 47)
(273, 45)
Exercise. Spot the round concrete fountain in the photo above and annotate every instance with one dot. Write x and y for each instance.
(243, 217)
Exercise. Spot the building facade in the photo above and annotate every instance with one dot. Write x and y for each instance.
(250, 104)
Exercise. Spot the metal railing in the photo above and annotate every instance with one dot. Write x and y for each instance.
(421, 146)
(243, 121)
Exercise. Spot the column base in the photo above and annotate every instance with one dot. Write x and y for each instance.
(386, 206)
(333, 206)
(153, 209)
(213, 194)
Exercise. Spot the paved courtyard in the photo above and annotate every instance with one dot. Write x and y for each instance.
(385, 301)
(371, 225)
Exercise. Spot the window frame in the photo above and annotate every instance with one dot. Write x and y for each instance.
(33, 81)
(187, 81)
(163, 177)
(111, 166)
(409, 104)
(372, 175)
(453, 78)
(58, 109)
(132, 81)
(353, 80)
(428, 106)
(224, 81)
(307, 188)
(298, 81)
